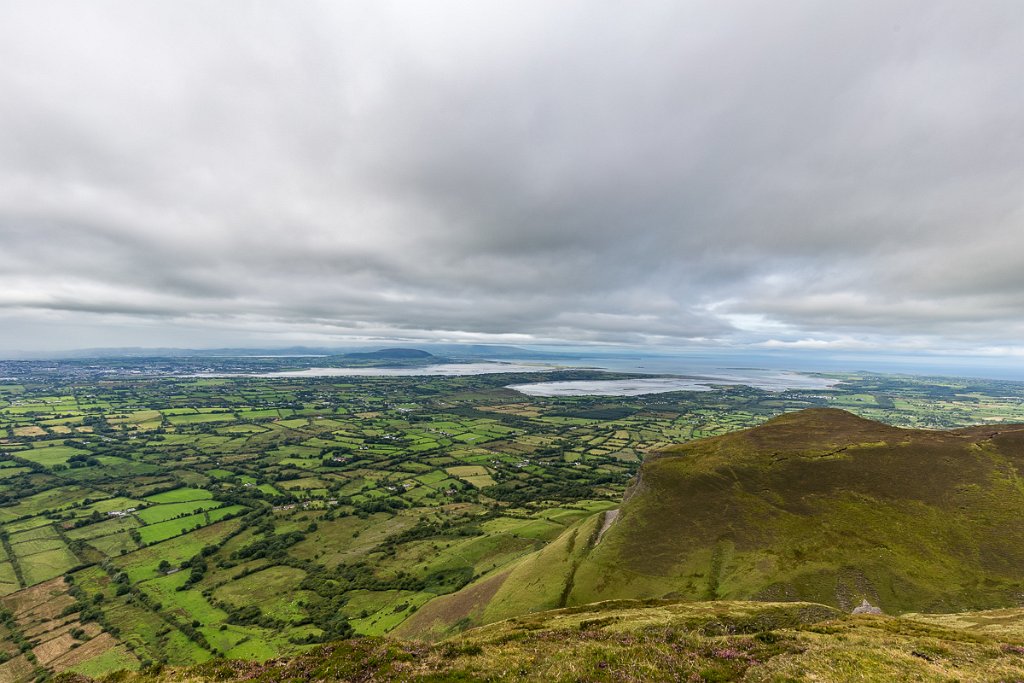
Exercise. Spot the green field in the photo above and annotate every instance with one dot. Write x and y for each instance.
(182, 495)
(46, 564)
(162, 513)
(51, 455)
(8, 579)
(272, 590)
(161, 531)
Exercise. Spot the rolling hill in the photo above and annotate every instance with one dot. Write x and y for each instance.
(817, 505)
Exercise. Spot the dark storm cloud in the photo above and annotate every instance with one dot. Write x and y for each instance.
(795, 173)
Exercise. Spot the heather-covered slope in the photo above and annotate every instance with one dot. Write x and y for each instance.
(818, 505)
(658, 641)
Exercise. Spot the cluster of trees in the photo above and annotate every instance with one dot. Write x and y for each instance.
(327, 616)
(14, 633)
(98, 423)
(197, 566)
(579, 485)
(78, 460)
(272, 547)
(426, 528)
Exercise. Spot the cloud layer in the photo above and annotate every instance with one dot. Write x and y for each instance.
(795, 175)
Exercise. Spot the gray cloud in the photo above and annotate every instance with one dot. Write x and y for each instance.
(737, 174)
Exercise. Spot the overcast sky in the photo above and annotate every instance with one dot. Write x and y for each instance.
(823, 175)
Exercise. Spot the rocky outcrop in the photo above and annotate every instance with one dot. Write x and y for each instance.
(866, 607)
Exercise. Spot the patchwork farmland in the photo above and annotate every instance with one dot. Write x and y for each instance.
(153, 519)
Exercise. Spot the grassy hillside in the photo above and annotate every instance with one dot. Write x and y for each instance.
(818, 505)
(824, 506)
(542, 580)
(659, 641)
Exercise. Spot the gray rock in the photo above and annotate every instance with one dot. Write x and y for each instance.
(866, 607)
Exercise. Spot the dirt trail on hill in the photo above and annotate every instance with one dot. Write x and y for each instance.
(609, 518)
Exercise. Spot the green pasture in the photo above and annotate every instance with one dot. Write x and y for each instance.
(169, 511)
(49, 456)
(274, 590)
(182, 495)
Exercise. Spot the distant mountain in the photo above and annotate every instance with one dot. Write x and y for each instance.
(818, 505)
(447, 350)
(168, 352)
(391, 354)
(494, 352)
